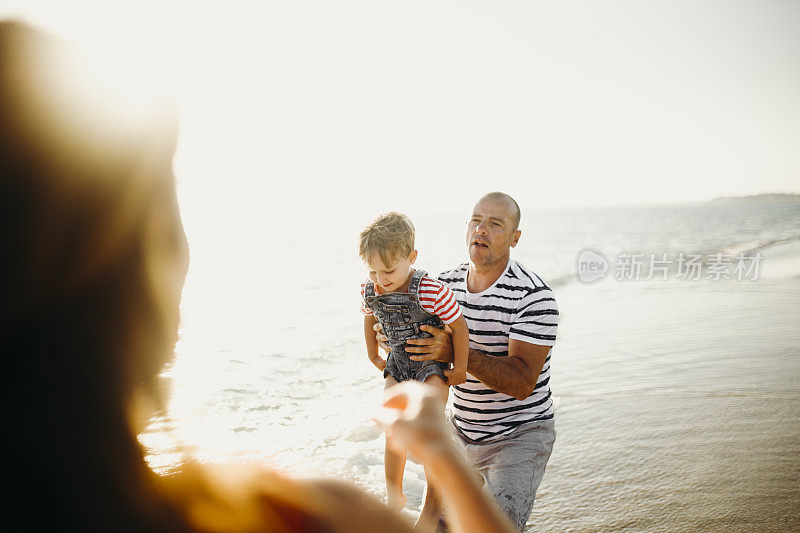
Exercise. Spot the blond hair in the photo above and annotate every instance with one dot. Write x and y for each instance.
(391, 235)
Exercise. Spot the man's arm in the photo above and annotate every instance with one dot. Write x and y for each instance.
(515, 375)
(460, 338)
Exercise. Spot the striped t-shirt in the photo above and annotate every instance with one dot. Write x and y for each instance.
(434, 296)
(519, 305)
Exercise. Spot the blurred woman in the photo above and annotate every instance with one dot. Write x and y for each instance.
(93, 258)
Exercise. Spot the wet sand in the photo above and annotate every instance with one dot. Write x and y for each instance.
(678, 406)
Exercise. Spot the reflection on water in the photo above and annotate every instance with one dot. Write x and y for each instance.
(676, 401)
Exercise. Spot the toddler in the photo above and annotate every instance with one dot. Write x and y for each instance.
(402, 299)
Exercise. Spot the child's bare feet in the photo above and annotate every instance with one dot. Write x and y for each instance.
(397, 499)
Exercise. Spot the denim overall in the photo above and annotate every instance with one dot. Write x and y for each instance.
(400, 315)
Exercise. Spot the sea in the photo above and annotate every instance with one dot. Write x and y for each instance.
(675, 374)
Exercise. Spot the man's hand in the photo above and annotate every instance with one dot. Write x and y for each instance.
(436, 348)
(515, 375)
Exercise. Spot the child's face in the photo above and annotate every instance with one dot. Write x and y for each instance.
(391, 278)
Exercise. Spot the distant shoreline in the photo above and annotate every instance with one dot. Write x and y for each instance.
(771, 198)
(756, 199)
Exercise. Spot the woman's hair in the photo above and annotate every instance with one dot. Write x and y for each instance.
(88, 233)
(390, 236)
(92, 263)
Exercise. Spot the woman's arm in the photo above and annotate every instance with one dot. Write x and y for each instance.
(413, 415)
(354, 511)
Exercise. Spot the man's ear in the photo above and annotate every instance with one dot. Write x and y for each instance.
(515, 237)
(412, 256)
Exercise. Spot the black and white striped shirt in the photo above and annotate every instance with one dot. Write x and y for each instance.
(519, 305)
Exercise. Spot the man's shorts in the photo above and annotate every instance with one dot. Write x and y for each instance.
(512, 467)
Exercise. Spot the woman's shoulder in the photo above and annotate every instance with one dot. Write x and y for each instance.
(235, 499)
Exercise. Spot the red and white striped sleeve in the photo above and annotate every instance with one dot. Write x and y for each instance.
(437, 298)
(364, 309)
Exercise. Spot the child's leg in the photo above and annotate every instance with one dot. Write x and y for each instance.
(394, 464)
(432, 509)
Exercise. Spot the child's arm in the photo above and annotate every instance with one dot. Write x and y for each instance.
(458, 374)
(372, 342)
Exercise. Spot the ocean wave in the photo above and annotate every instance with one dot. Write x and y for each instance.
(752, 246)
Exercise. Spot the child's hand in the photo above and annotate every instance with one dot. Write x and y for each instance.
(379, 362)
(455, 376)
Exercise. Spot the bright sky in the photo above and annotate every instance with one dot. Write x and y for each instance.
(336, 105)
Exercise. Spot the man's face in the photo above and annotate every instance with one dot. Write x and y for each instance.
(491, 233)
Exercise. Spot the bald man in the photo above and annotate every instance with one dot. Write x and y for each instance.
(503, 414)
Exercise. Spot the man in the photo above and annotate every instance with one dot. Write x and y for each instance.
(503, 414)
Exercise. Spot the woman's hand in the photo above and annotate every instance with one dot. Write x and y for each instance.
(413, 416)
